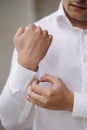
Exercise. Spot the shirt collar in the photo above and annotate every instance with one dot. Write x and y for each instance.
(60, 12)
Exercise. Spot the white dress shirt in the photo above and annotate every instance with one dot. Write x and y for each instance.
(67, 59)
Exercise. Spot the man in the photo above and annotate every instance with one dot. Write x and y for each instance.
(47, 84)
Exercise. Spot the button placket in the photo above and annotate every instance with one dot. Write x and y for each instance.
(84, 46)
(84, 55)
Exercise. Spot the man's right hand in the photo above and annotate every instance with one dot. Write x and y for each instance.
(32, 45)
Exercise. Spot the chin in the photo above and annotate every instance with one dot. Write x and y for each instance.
(80, 19)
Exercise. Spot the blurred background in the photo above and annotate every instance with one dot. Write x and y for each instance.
(13, 14)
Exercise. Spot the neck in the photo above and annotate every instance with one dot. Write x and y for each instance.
(77, 23)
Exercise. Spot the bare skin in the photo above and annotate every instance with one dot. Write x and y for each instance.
(32, 45)
(57, 97)
(76, 11)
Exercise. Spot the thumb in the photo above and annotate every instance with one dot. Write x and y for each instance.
(19, 32)
(48, 78)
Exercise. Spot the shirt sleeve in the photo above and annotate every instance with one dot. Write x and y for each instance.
(16, 113)
(80, 105)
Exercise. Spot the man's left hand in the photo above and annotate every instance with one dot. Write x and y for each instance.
(55, 97)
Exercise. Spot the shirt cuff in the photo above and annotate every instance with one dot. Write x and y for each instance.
(80, 105)
(22, 77)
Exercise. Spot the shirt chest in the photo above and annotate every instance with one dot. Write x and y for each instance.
(65, 58)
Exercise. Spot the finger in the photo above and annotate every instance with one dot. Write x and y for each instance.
(45, 33)
(19, 32)
(49, 40)
(34, 97)
(31, 27)
(37, 102)
(40, 90)
(50, 37)
(38, 30)
(48, 78)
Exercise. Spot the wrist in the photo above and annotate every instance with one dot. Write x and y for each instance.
(32, 67)
(69, 101)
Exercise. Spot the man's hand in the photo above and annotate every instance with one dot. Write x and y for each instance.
(32, 45)
(55, 97)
